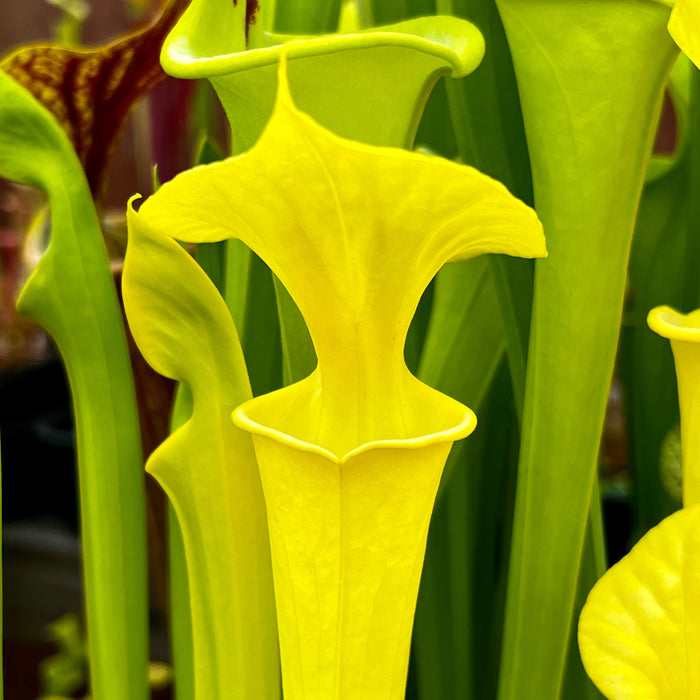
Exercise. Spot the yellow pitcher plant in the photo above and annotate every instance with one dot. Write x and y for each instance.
(639, 632)
(351, 456)
(683, 330)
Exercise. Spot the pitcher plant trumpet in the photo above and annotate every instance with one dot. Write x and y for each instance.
(638, 632)
(350, 456)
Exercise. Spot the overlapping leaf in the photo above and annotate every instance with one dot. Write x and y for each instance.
(639, 632)
(590, 93)
(326, 234)
(71, 294)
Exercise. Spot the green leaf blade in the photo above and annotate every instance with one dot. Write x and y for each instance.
(207, 466)
(579, 105)
(71, 293)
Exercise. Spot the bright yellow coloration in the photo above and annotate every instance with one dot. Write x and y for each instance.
(684, 27)
(684, 333)
(347, 548)
(355, 233)
(351, 456)
(207, 467)
(639, 632)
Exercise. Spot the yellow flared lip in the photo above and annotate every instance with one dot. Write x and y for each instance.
(179, 59)
(672, 324)
(461, 430)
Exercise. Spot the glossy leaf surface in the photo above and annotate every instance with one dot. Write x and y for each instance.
(490, 136)
(590, 95)
(639, 632)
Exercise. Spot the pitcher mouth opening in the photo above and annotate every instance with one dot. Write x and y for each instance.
(672, 324)
(184, 60)
(459, 422)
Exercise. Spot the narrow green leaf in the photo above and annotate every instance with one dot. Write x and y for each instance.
(207, 151)
(250, 296)
(417, 331)
(237, 282)
(456, 619)
(590, 78)
(464, 323)
(462, 314)
(512, 283)
(249, 293)
(211, 256)
(71, 294)
(435, 129)
(658, 252)
(298, 355)
(212, 259)
(433, 610)
(490, 135)
(260, 337)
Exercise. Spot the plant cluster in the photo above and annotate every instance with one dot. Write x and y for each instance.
(336, 305)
